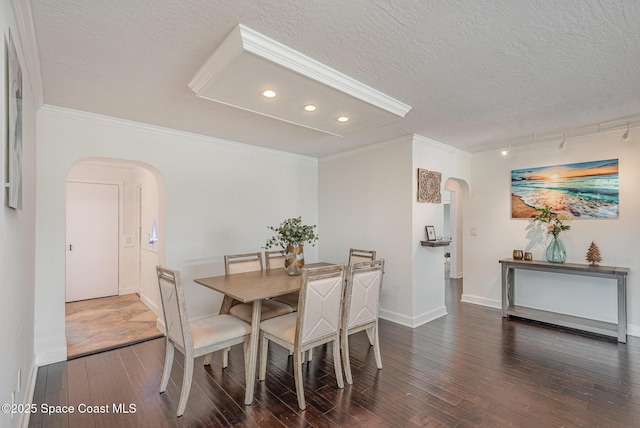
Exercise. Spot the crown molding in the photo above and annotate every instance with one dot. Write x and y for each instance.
(408, 138)
(145, 127)
(27, 35)
(261, 45)
(441, 146)
(243, 39)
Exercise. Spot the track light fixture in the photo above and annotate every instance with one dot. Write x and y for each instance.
(623, 124)
(564, 141)
(625, 136)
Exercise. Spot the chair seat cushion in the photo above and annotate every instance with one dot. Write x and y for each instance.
(290, 299)
(270, 309)
(217, 329)
(283, 327)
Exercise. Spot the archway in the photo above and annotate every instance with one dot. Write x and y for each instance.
(129, 314)
(459, 189)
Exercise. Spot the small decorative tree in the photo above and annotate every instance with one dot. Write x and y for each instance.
(593, 254)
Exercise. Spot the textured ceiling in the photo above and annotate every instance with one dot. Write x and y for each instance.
(475, 72)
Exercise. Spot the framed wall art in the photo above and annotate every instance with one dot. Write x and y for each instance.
(429, 186)
(14, 140)
(431, 233)
(585, 190)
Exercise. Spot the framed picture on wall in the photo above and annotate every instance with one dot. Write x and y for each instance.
(431, 233)
(14, 101)
(585, 190)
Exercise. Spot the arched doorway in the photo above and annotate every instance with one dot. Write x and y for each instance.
(459, 190)
(99, 318)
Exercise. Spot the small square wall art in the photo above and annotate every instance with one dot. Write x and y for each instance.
(429, 186)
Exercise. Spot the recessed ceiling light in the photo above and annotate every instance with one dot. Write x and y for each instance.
(310, 107)
(342, 119)
(269, 93)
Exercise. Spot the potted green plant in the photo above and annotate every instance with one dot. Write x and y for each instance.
(291, 236)
(554, 224)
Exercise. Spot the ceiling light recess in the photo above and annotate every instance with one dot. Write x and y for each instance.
(247, 62)
(310, 107)
(269, 93)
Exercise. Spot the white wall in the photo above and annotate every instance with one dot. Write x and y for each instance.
(428, 262)
(498, 235)
(17, 242)
(151, 254)
(365, 202)
(218, 197)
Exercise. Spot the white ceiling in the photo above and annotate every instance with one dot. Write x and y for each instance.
(475, 72)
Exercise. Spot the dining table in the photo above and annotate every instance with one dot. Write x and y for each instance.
(254, 287)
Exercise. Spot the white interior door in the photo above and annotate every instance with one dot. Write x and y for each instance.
(92, 241)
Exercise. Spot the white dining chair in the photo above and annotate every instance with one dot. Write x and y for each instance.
(317, 322)
(360, 308)
(241, 263)
(357, 256)
(275, 260)
(193, 338)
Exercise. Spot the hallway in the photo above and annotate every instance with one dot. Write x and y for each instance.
(97, 325)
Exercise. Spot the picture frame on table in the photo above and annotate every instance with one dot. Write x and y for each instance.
(431, 233)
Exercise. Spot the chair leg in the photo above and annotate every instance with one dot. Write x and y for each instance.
(225, 358)
(370, 335)
(186, 384)
(264, 347)
(207, 359)
(336, 360)
(298, 357)
(168, 363)
(346, 363)
(376, 346)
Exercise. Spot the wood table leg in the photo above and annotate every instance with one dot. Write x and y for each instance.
(253, 351)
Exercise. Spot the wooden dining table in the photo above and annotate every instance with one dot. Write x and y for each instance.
(254, 287)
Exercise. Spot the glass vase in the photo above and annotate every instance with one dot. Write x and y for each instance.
(294, 259)
(556, 252)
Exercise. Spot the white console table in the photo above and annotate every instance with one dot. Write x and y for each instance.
(619, 330)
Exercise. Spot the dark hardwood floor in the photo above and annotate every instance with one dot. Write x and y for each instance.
(470, 368)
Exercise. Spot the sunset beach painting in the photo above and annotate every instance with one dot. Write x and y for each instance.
(585, 190)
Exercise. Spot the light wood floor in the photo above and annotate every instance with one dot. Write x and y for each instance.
(97, 325)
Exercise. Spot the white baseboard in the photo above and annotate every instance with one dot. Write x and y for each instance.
(160, 325)
(156, 310)
(28, 395)
(482, 301)
(633, 330)
(125, 291)
(414, 322)
(50, 357)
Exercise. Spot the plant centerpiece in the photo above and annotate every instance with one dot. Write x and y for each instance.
(554, 224)
(291, 236)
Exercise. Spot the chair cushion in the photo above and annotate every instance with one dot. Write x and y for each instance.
(290, 299)
(283, 327)
(216, 329)
(270, 309)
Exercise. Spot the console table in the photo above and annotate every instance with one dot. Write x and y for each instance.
(619, 330)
